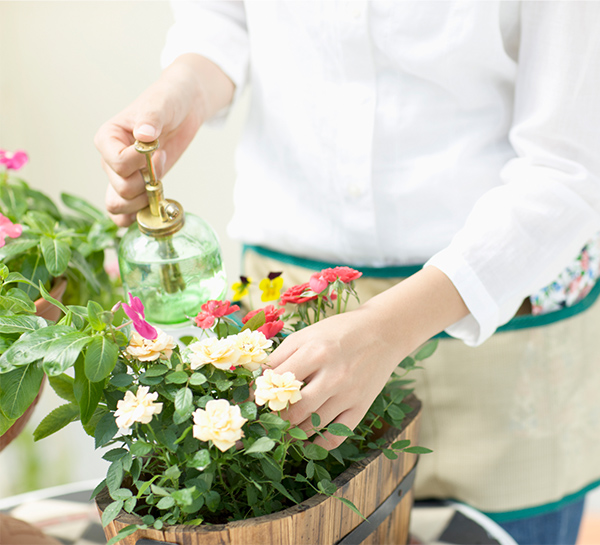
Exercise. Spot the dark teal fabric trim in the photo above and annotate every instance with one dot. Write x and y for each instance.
(518, 322)
(370, 272)
(508, 516)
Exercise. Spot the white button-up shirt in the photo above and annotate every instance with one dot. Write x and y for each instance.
(461, 133)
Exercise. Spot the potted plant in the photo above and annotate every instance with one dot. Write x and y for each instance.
(62, 252)
(198, 444)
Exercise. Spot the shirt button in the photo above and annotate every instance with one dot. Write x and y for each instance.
(354, 190)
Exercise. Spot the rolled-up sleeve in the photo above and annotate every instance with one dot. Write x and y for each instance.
(521, 234)
(214, 29)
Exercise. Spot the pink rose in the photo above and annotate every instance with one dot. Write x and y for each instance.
(213, 309)
(271, 314)
(270, 329)
(296, 295)
(346, 274)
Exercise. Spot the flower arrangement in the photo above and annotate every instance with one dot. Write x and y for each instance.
(41, 242)
(195, 431)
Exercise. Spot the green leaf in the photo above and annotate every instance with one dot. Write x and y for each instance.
(18, 278)
(241, 393)
(87, 393)
(282, 490)
(340, 430)
(418, 450)
(326, 487)
(272, 420)
(34, 269)
(390, 454)
(56, 420)
(255, 322)
(197, 379)
(114, 476)
(166, 502)
(248, 410)
(122, 494)
(264, 444)
(176, 377)
(395, 412)
(156, 370)
(401, 444)
(82, 207)
(80, 263)
(5, 423)
(140, 448)
(57, 254)
(315, 419)
(19, 388)
(200, 460)
(64, 351)
(270, 468)
(106, 429)
(310, 469)
(100, 358)
(16, 247)
(63, 386)
(298, 433)
(51, 299)
(21, 324)
(127, 531)
(427, 350)
(115, 454)
(17, 300)
(111, 512)
(95, 312)
(315, 452)
(122, 380)
(349, 504)
(142, 489)
(184, 402)
(40, 222)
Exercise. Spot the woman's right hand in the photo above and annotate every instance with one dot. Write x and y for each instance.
(191, 90)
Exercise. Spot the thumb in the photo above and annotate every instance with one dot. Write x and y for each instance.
(147, 131)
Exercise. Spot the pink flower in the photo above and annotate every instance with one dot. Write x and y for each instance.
(270, 329)
(271, 314)
(9, 229)
(135, 311)
(213, 309)
(297, 295)
(346, 274)
(320, 280)
(13, 161)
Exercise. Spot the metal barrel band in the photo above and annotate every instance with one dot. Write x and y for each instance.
(367, 527)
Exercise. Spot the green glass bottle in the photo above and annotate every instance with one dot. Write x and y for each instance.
(170, 259)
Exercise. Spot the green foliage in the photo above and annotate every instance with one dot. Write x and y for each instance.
(55, 244)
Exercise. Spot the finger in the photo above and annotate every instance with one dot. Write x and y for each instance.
(284, 351)
(122, 220)
(116, 205)
(127, 188)
(314, 398)
(114, 140)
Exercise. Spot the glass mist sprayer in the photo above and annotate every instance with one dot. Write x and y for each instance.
(171, 260)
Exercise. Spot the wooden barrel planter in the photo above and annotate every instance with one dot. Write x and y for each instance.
(379, 487)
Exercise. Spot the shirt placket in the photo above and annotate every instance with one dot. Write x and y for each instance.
(355, 123)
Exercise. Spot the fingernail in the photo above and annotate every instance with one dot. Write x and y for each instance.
(146, 130)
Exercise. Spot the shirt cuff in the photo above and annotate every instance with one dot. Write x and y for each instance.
(482, 321)
(216, 33)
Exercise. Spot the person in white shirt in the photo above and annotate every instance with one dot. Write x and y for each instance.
(464, 135)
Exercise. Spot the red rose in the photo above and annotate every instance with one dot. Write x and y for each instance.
(211, 310)
(296, 295)
(271, 314)
(270, 329)
(346, 274)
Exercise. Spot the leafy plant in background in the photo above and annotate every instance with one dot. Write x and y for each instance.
(196, 431)
(42, 243)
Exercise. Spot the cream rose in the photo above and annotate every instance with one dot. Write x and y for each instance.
(278, 390)
(150, 350)
(137, 408)
(252, 347)
(222, 353)
(220, 423)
